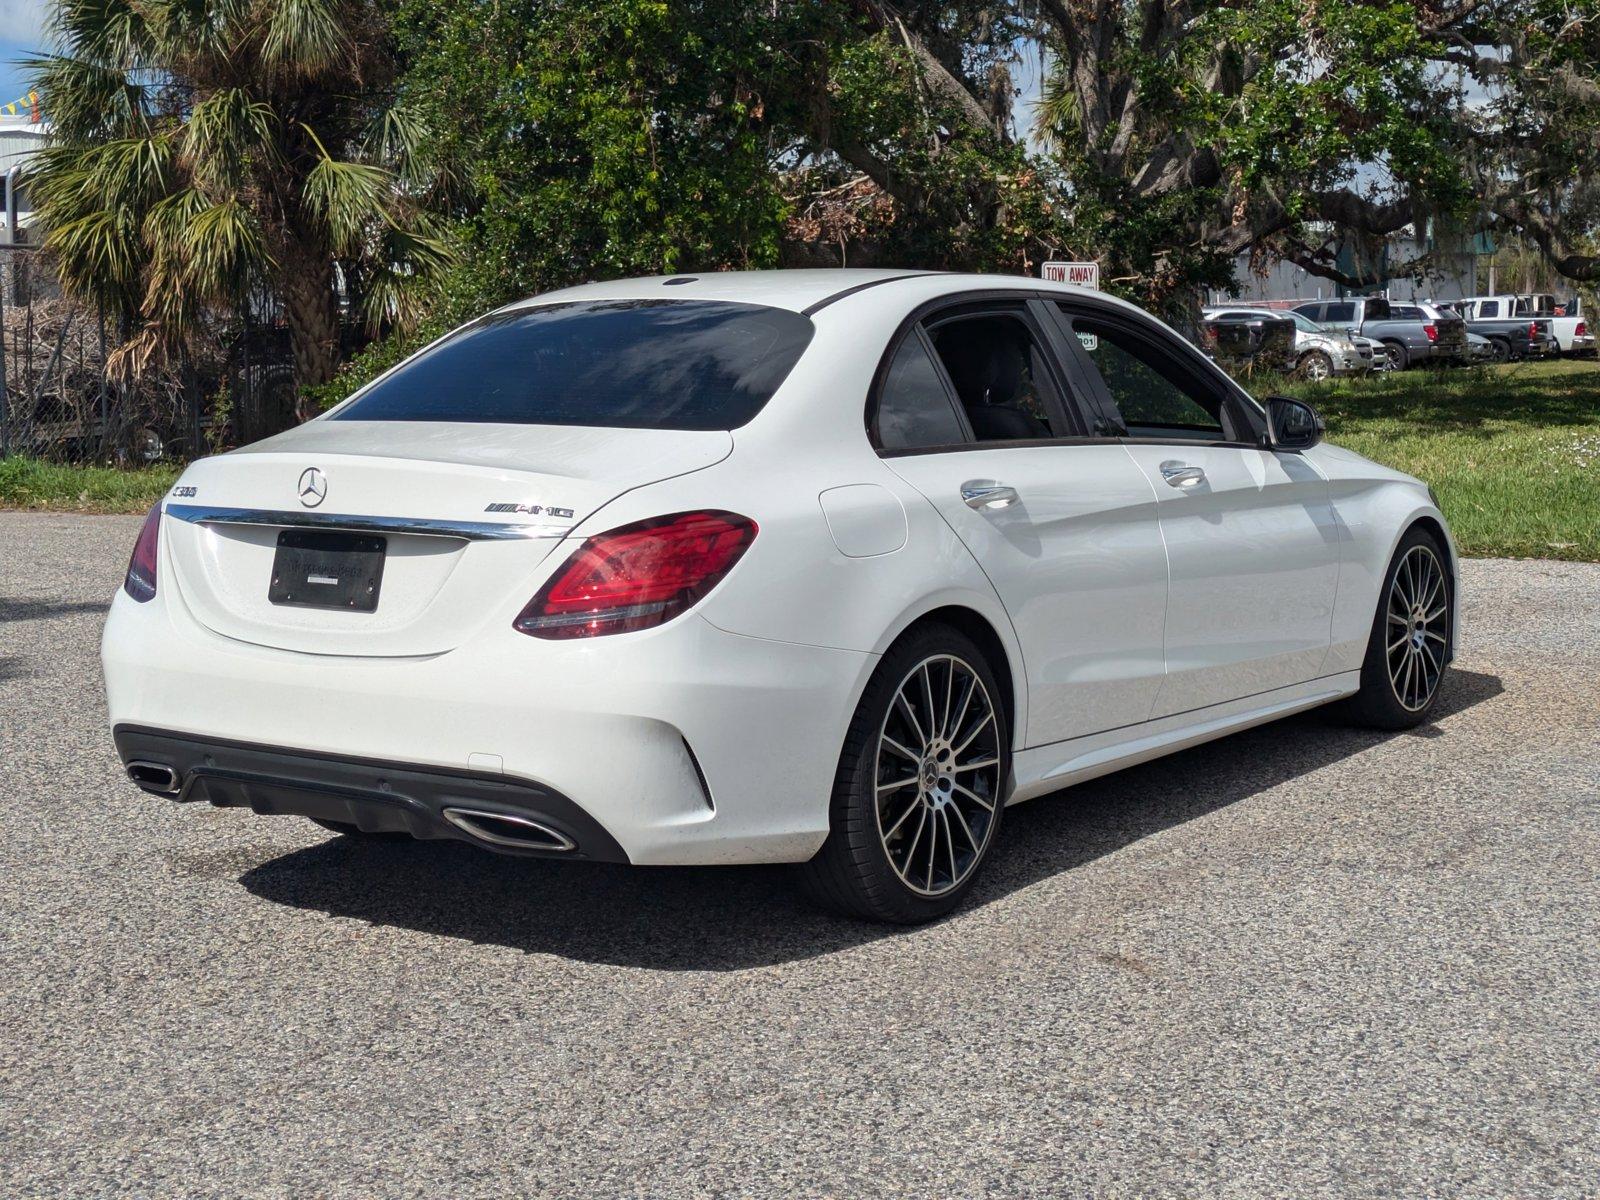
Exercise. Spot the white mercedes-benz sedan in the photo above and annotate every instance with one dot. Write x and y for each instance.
(821, 567)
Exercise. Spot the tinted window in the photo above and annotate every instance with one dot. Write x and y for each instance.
(1341, 312)
(1488, 308)
(914, 407)
(1405, 312)
(1312, 311)
(1155, 396)
(1377, 309)
(643, 364)
(998, 372)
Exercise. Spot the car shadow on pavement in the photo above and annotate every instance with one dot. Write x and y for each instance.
(732, 918)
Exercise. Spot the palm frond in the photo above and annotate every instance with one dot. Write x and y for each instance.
(1056, 110)
(224, 251)
(304, 37)
(400, 137)
(167, 220)
(196, 29)
(397, 286)
(110, 33)
(226, 133)
(97, 255)
(349, 197)
(125, 176)
(88, 99)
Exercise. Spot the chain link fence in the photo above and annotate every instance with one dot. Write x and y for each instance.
(58, 402)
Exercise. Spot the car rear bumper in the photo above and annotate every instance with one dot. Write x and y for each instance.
(497, 812)
(682, 745)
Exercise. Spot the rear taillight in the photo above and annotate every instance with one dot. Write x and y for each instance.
(1432, 331)
(1582, 330)
(140, 582)
(1533, 331)
(638, 576)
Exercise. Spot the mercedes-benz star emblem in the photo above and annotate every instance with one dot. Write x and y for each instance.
(313, 487)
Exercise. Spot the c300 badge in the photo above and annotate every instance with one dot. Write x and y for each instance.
(532, 510)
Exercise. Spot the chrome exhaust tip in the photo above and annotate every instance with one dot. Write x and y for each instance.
(156, 778)
(503, 829)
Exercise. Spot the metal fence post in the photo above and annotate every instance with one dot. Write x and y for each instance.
(5, 408)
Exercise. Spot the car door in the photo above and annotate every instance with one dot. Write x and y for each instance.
(1252, 540)
(1064, 526)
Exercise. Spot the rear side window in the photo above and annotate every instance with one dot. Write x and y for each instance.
(1488, 308)
(914, 407)
(1341, 312)
(638, 364)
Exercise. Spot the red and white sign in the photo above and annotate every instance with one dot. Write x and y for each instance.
(1083, 274)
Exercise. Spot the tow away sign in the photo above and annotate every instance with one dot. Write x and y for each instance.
(1083, 274)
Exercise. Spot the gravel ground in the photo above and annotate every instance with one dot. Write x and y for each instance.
(1302, 961)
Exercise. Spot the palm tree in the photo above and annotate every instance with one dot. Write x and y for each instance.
(207, 150)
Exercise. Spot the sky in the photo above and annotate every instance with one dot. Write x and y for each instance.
(21, 34)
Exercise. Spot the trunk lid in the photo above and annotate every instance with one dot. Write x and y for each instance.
(467, 512)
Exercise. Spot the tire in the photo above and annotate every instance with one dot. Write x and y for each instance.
(1407, 657)
(342, 828)
(1399, 359)
(1502, 350)
(1314, 365)
(892, 779)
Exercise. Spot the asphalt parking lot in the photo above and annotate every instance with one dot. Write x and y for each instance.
(1306, 960)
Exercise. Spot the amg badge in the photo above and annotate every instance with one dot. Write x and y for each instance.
(533, 510)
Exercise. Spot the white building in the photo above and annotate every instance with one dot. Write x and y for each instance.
(21, 136)
(1403, 267)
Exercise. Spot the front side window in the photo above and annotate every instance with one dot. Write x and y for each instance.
(914, 407)
(1154, 396)
(638, 364)
(998, 372)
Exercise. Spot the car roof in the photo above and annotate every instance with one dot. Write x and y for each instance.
(799, 290)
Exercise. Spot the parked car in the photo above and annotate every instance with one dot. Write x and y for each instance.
(1568, 324)
(1515, 336)
(1445, 329)
(824, 567)
(1406, 342)
(1255, 336)
(1317, 352)
(1482, 349)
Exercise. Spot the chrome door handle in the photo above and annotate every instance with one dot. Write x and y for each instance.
(1182, 475)
(981, 494)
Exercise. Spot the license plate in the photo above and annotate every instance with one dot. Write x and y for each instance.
(316, 568)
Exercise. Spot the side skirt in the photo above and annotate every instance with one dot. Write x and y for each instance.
(1047, 768)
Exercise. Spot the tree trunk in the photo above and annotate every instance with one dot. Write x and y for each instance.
(308, 304)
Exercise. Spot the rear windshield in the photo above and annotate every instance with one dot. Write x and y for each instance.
(639, 364)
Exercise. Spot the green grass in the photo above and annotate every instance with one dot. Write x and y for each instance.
(28, 483)
(1513, 452)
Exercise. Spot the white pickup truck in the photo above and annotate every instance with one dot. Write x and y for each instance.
(1572, 328)
(1572, 331)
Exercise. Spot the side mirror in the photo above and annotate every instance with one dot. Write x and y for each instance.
(1292, 425)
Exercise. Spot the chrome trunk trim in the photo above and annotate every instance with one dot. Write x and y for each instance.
(471, 531)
